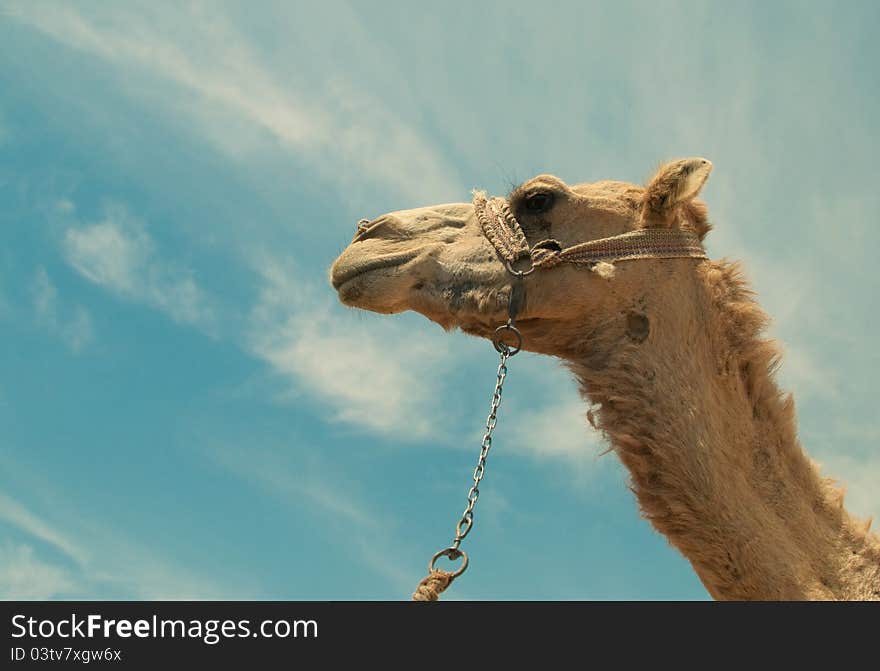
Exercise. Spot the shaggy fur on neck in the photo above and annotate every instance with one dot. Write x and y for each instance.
(693, 411)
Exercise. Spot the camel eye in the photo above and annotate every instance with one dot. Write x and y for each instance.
(536, 203)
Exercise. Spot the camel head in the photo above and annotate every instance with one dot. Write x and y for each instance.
(437, 261)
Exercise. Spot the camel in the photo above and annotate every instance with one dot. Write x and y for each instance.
(669, 353)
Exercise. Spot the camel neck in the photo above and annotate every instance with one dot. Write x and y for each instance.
(685, 393)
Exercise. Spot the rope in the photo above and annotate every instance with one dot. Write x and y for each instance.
(500, 227)
(431, 585)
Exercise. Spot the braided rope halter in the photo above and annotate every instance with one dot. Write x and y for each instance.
(506, 235)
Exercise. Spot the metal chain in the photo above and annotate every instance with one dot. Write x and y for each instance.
(466, 523)
(431, 586)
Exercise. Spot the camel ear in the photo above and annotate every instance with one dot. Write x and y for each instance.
(676, 183)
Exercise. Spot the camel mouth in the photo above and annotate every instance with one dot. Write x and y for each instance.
(341, 274)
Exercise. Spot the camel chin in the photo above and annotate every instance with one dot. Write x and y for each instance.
(382, 290)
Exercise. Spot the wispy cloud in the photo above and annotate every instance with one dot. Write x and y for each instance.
(558, 431)
(297, 484)
(96, 561)
(118, 254)
(16, 514)
(24, 576)
(344, 131)
(75, 330)
(368, 374)
(303, 482)
(543, 417)
(859, 476)
(373, 375)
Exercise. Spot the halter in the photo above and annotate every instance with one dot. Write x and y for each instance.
(506, 235)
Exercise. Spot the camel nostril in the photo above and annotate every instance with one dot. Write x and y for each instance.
(364, 226)
(384, 226)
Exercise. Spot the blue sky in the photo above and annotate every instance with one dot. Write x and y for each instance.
(185, 410)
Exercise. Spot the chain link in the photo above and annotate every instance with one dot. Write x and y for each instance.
(466, 523)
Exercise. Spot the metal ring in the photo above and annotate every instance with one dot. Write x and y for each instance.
(453, 554)
(501, 346)
(520, 273)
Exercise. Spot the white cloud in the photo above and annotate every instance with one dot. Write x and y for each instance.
(378, 377)
(106, 255)
(23, 576)
(79, 331)
(45, 295)
(343, 130)
(297, 484)
(543, 416)
(314, 484)
(374, 375)
(97, 560)
(557, 431)
(76, 330)
(807, 376)
(16, 514)
(118, 254)
(859, 477)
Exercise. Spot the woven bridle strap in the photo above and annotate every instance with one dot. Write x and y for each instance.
(505, 233)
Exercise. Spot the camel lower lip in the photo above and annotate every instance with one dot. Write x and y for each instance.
(338, 279)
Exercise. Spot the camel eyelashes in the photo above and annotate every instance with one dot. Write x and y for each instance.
(536, 203)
